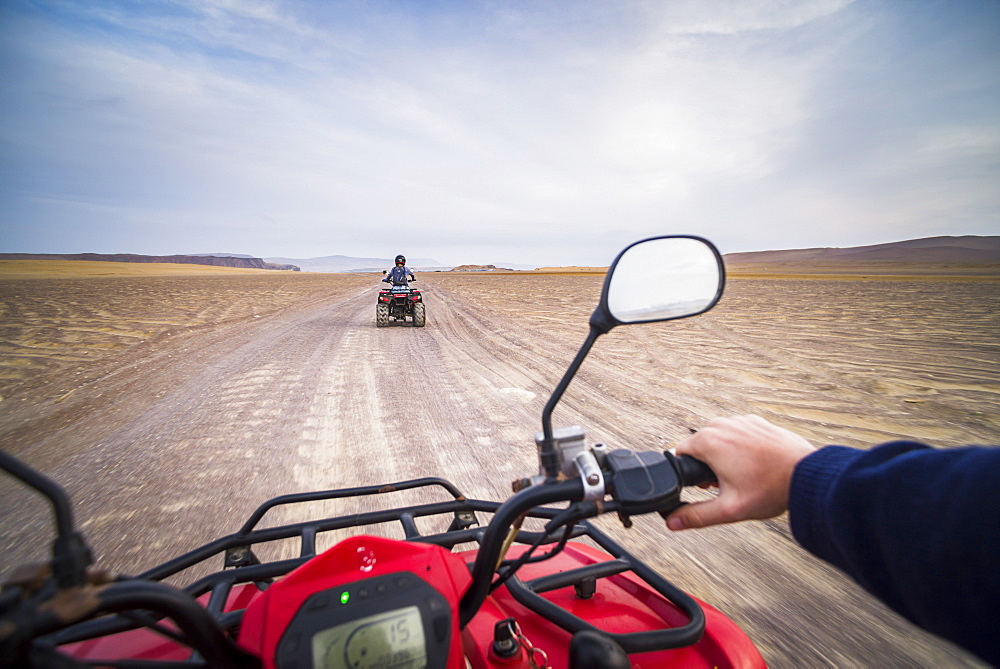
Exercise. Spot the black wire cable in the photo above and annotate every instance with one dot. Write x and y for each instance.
(525, 557)
(568, 518)
(567, 521)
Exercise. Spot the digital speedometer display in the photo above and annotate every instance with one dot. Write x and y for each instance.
(390, 640)
(390, 621)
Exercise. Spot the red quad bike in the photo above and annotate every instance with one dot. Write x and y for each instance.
(520, 590)
(398, 302)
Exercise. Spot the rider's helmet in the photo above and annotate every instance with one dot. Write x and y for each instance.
(400, 260)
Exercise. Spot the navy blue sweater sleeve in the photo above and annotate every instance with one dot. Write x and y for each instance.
(916, 526)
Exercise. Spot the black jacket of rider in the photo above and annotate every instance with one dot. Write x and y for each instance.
(397, 275)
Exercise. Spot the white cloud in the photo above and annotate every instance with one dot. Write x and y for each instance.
(732, 17)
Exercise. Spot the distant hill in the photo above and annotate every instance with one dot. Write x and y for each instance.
(350, 264)
(214, 260)
(480, 268)
(968, 253)
(516, 266)
(965, 250)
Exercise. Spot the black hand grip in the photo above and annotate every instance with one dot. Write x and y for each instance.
(694, 472)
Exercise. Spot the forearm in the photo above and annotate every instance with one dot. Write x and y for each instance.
(918, 527)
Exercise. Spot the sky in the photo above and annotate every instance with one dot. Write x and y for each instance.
(473, 131)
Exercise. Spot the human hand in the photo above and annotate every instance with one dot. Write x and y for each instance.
(753, 461)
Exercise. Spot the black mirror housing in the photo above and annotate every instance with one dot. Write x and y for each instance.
(660, 279)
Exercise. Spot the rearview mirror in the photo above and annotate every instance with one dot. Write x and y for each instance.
(656, 279)
(660, 279)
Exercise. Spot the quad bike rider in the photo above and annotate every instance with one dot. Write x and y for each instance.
(400, 300)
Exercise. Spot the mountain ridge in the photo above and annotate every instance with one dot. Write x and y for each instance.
(246, 262)
(342, 263)
(966, 249)
(974, 250)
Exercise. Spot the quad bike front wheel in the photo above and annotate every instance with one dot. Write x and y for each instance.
(419, 315)
(381, 315)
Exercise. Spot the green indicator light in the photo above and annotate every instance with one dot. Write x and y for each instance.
(345, 597)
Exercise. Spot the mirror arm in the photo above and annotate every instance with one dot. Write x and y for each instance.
(602, 320)
(548, 457)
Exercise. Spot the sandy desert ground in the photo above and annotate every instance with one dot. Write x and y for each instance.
(171, 405)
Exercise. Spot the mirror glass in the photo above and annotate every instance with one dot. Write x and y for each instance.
(664, 278)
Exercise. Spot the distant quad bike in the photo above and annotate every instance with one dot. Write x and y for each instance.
(398, 302)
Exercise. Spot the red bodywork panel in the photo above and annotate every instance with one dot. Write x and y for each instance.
(622, 604)
(386, 296)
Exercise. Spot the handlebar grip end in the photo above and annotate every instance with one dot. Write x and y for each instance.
(694, 472)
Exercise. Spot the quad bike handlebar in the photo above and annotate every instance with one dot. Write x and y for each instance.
(638, 482)
(694, 472)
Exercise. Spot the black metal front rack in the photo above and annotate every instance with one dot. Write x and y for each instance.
(241, 564)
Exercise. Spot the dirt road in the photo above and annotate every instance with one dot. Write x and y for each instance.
(173, 442)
